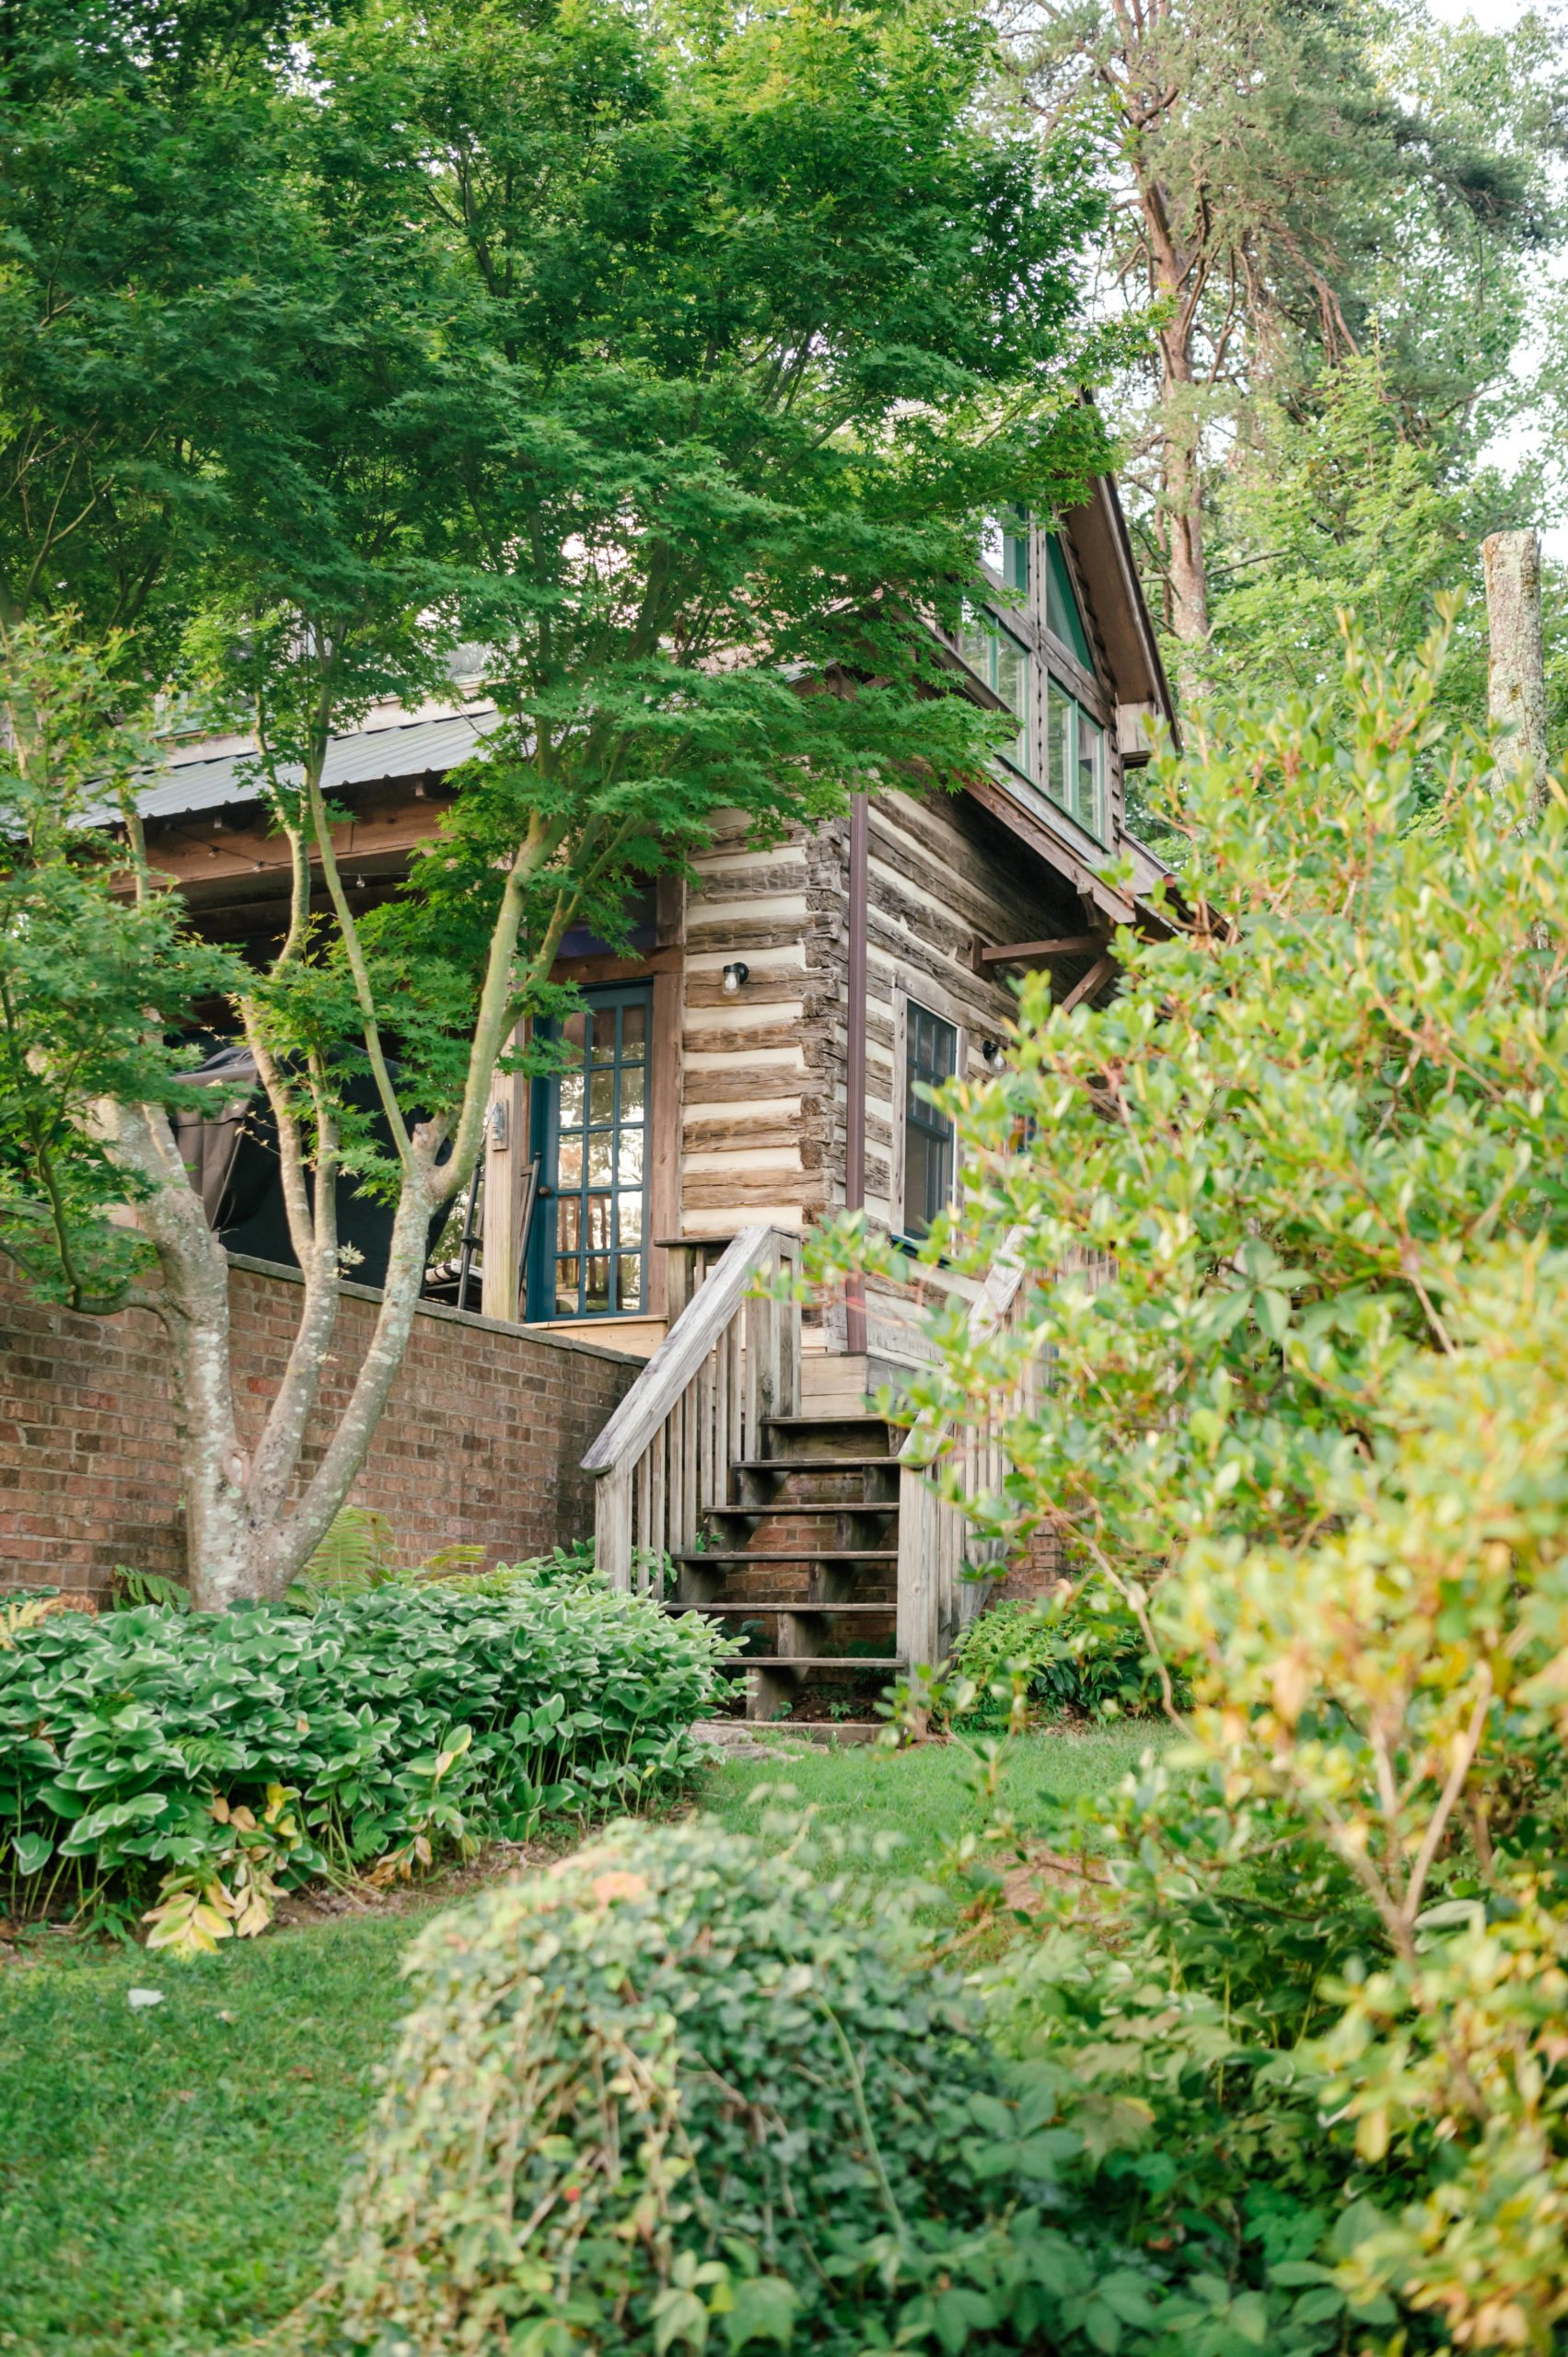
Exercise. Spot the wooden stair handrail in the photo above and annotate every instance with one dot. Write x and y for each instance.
(730, 1360)
(930, 1530)
(679, 1355)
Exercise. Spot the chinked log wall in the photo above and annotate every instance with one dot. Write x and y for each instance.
(481, 1441)
(763, 1134)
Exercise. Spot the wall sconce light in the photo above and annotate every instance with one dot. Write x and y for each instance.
(500, 1136)
(734, 976)
(992, 1052)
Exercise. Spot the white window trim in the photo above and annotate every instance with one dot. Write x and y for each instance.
(930, 1002)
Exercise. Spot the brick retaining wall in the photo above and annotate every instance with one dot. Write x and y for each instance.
(480, 1441)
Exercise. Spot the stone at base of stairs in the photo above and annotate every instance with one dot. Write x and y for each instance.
(766, 1735)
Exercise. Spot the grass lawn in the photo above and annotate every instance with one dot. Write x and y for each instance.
(168, 2175)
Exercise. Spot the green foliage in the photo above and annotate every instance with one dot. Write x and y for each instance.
(1296, 1226)
(398, 1716)
(716, 2101)
(93, 981)
(1081, 1650)
(1336, 505)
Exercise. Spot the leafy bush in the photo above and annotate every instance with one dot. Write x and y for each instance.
(1075, 1651)
(664, 2082)
(1311, 1418)
(394, 1716)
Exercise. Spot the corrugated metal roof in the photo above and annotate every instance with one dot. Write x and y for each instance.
(404, 750)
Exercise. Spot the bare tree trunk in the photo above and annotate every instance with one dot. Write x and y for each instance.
(243, 1540)
(1187, 566)
(193, 1305)
(1515, 682)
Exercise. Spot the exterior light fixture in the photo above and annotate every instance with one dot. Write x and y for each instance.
(734, 976)
(992, 1051)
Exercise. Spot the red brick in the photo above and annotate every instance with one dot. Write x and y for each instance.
(480, 1442)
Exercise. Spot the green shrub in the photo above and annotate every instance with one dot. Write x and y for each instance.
(117, 1733)
(667, 2081)
(1081, 1652)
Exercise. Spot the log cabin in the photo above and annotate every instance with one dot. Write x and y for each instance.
(753, 1064)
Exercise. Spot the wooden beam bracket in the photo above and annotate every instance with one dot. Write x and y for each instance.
(1019, 953)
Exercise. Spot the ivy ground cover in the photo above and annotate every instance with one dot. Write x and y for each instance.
(169, 2174)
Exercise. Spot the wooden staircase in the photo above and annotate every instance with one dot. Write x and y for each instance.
(825, 1529)
(807, 1546)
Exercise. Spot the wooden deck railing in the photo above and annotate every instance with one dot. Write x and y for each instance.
(937, 1541)
(664, 1457)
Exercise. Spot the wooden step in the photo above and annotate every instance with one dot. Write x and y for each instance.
(803, 1505)
(711, 1555)
(787, 1437)
(754, 1606)
(813, 1464)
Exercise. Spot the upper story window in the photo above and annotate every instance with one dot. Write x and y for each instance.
(1004, 546)
(931, 1054)
(1062, 615)
(1074, 759)
(995, 654)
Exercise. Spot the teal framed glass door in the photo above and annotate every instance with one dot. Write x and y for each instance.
(589, 1252)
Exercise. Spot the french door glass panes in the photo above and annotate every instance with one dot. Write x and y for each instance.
(1074, 759)
(1004, 665)
(597, 1129)
(931, 1049)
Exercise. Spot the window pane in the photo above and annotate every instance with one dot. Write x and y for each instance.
(1061, 606)
(1091, 767)
(1013, 687)
(977, 642)
(931, 1054)
(1059, 711)
(594, 1263)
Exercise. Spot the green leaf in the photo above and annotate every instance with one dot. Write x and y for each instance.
(764, 2309)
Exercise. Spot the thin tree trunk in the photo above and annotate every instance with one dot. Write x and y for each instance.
(193, 1305)
(1516, 680)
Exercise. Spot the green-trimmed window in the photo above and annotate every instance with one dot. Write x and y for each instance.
(996, 655)
(1062, 613)
(1074, 759)
(1004, 546)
